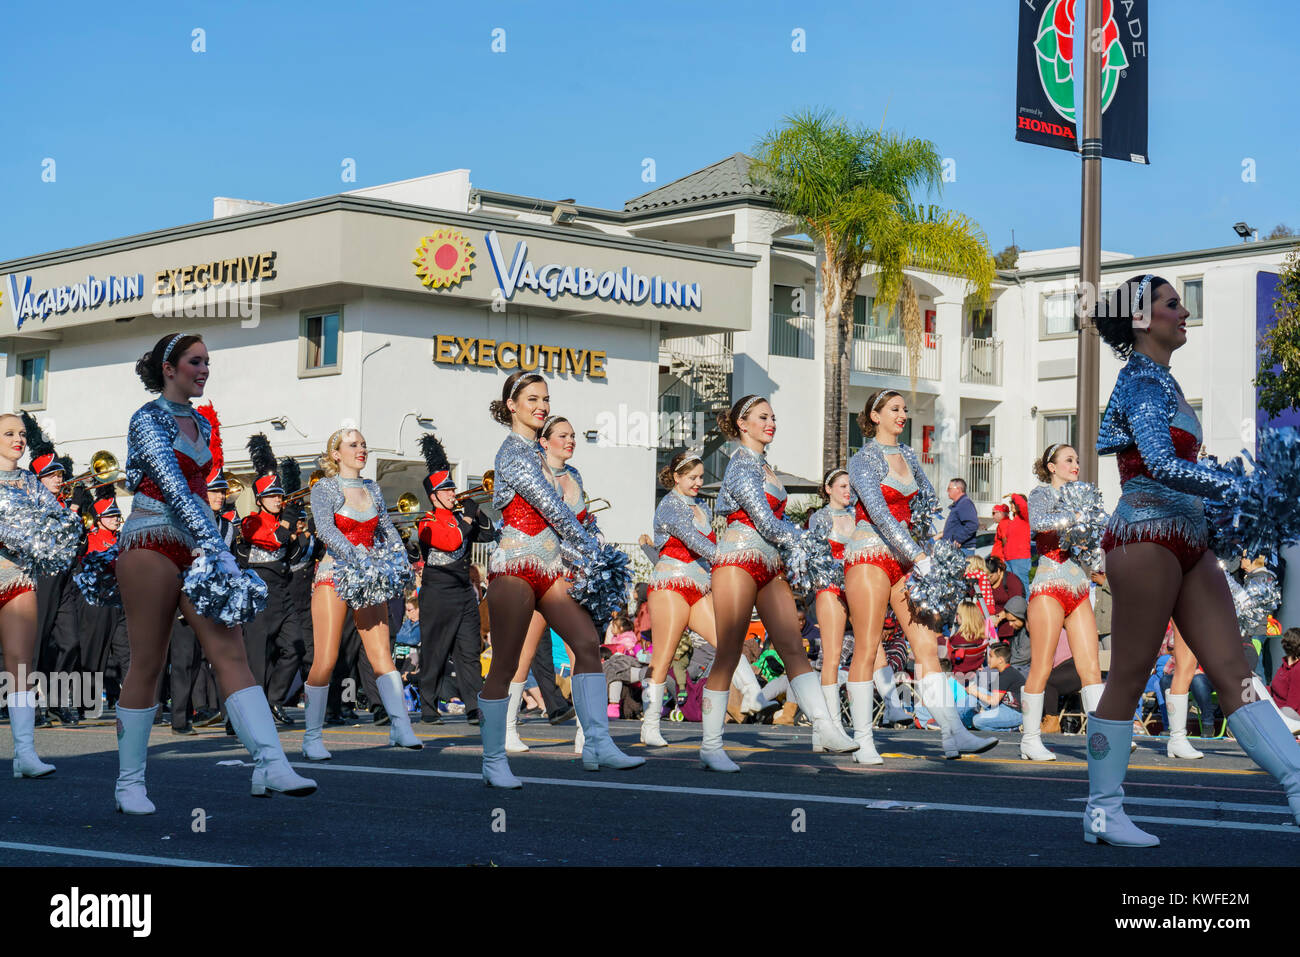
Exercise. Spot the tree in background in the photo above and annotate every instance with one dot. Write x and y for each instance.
(1281, 231)
(851, 190)
(1279, 347)
(1008, 257)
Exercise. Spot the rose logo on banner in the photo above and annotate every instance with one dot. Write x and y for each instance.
(1055, 48)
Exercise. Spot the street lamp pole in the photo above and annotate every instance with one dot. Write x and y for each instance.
(1087, 398)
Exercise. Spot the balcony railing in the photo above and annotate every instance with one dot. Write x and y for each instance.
(983, 474)
(981, 361)
(791, 336)
(885, 351)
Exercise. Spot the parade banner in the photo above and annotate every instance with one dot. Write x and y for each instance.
(1045, 87)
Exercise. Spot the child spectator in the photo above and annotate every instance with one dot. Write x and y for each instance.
(1004, 699)
(968, 643)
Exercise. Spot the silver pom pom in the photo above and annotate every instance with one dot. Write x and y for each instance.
(1262, 512)
(926, 512)
(1082, 536)
(368, 577)
(1258, 598)
(809, 564)
(229, 599)
(42, 541)
(601, 581)
(97, 578)
(934, 597)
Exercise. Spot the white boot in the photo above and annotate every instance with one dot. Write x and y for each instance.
(751, 692)
(1262, 734)
(513, 744)
(400, 733)
(1178, 747)
(776, 687)
(1091, 697)
(22, 725)
(1031, 735)
(1263, 694)
(830, 695)
(579, 738)
(956, 739)
(895, 710)
(133, 727)
(807, 692)
(590, 698)
(862, 700)
(313, 745)
(712, 757)
(492, 728)
(652, 703)
(1104, 818)
(250, 715)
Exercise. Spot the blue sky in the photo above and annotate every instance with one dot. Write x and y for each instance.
(144, 132)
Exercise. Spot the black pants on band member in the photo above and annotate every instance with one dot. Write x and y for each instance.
(58, 644)
(274, 639)
(186, 662)
(449, 625)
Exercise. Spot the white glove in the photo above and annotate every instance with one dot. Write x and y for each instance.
(922, 566)
(226, 562)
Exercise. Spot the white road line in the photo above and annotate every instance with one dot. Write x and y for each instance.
(1208, 805)
(109, 855)
(869, 803)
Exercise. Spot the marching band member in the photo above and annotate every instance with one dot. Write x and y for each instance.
(103, 627)
(887, 477)
(686, 546)
(169, 556)
(448, 606)
(365, 565)
(747, 571)
(835, 522)
(527, 574)
(1058, 595)
(1158, 562)
(28, 510)
(58, 644)
(269, 546)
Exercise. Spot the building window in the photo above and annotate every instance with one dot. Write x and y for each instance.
(1194, 299)
(792, 328)
(319, 341)
(1058, 316)
(1060, 428)
(980, 324)
(32, 372)
(886, 326)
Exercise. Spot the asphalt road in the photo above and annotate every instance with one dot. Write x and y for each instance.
(382, 806)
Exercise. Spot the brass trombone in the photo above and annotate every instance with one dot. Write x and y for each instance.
(407, 505)
(103, 469)
(235, 487)
(300, 494)
(485, 486)
(593, 507)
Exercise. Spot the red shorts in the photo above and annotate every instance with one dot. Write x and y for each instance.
(10, 594)
(762, 575)
(891, 566)
(1186, 553)
(835, 590)
(538, 582)
(689, 592)
(180, 555)
(1065, 597)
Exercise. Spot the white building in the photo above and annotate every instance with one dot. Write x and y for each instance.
(367, 307)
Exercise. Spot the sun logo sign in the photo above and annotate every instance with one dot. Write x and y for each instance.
(1055, 47)
(443, 259)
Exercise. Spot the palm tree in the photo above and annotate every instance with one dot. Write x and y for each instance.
(851, 189)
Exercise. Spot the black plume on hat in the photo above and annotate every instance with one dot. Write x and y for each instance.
(435, 456)
(83, 499)
(290, 475)
(261, 454)
(37, 441)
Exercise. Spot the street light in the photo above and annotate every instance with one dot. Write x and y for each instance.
(1242, 230)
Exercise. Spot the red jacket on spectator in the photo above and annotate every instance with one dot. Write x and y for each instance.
(1011, 540)
(1285, 688)
(1001, 594)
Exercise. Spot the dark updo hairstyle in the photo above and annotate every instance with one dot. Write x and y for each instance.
(1114, 314)
(875, 402)
(729, 421)
(682, 462)
(549, 425)
(826, 480)
(149, 366)
(515, 383)
(1047, 458)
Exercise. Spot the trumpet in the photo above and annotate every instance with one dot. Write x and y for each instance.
(296, 496)
(488, 483)
(103, 469)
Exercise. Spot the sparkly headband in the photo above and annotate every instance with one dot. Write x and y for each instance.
(172, 345)
(834, 475)
(688, 462)
(754, 400)
(1051, 450)
(549, 421)
(875, 406)
(1145, 321)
